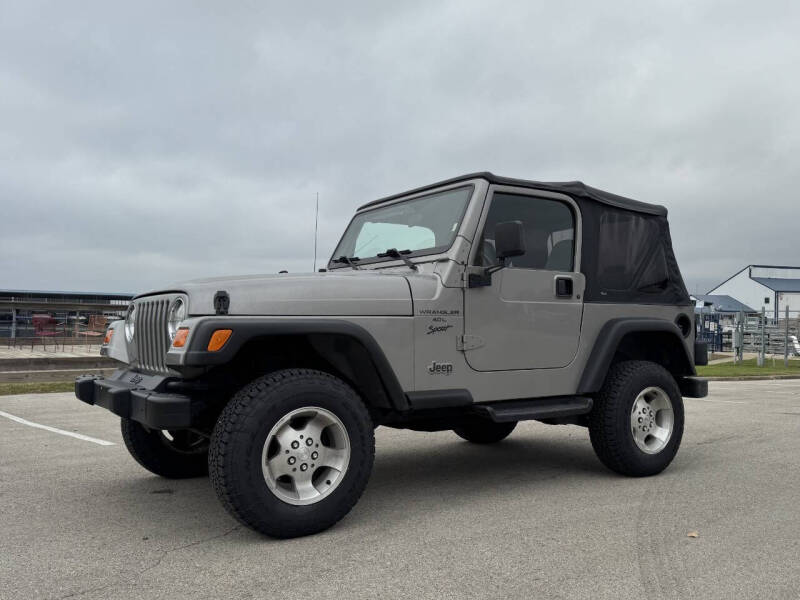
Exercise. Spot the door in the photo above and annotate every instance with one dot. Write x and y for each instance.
(530, 315)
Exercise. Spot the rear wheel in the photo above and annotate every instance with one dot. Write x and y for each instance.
(292, 452)
(484, 431)
(636, 424)
(173, 454)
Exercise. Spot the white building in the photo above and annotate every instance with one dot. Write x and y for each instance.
(771, 287)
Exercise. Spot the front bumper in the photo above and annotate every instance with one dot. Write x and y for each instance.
(133, 396)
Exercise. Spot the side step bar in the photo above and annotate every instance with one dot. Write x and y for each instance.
(535, 409)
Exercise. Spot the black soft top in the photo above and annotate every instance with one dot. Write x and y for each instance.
(627, 251)
(574, 189)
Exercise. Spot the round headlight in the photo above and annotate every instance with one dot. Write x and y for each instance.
(130, 323)
(177, 313)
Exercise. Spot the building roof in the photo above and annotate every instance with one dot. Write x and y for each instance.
(775, 266)
(777, 284)
(64, 293)
(570, 188)
(723, 303)
(760, 278)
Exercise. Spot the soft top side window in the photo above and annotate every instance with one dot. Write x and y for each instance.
(549, 232)
(631, 254)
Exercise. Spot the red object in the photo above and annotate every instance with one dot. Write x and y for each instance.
(44, 326)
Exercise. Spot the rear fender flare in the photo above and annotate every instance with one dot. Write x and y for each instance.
(609, 339)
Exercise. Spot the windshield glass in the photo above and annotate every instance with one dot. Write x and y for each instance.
(426, 225)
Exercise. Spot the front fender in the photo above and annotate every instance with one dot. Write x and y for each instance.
(244, 329)
(117, 348)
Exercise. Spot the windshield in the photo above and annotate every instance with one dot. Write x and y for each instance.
(426, 225)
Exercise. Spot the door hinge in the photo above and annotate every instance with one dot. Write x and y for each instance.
(469, 342)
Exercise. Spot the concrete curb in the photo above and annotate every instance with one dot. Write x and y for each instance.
(57, 362)
(50, 375)
(751, 378)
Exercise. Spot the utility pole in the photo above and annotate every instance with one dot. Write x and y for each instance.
(738, 337)
(760, 360)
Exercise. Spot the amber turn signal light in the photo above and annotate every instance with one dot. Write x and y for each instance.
(180, 337)
(109, 335)
(218, 339)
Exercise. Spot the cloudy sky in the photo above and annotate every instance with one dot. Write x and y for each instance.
(144, 143)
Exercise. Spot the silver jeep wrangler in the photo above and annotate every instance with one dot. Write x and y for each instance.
(466, 305)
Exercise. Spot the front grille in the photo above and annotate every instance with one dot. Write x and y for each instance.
(151, 336)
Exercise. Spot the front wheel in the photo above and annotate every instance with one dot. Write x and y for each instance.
(292, 452)
(636, 424)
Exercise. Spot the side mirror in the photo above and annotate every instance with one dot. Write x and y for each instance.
(509, 239)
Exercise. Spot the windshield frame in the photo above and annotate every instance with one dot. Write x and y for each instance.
(437, 250)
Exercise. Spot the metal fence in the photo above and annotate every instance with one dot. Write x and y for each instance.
(51, 329)
(752, 333)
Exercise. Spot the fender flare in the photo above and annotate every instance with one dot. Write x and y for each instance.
(245, 329)
(608, 341)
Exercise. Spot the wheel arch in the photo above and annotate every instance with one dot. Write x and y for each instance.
(656, 340)
(342, 348)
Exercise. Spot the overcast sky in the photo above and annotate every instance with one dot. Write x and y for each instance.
(146, 143)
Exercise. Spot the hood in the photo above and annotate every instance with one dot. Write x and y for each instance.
(364, 293)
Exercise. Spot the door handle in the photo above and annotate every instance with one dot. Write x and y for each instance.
(564, 287)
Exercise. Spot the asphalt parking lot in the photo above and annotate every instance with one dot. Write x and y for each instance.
(536, 516)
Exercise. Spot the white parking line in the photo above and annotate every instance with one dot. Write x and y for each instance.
(79, 436)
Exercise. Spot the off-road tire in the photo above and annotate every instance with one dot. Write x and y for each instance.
(240, 433)
(158, 455)
(610, 419)
(484, 431)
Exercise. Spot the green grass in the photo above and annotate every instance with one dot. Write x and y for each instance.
(749, 368)
(6, 389)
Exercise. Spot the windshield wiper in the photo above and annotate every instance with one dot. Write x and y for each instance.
(399, 254)
(348, 260)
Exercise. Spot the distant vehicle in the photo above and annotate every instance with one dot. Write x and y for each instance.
(467, 305)
(794, 344)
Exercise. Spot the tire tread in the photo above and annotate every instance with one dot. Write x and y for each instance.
(608, 422)
(228, 482)
(151, 453)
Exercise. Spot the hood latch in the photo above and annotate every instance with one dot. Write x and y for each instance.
(221, 302)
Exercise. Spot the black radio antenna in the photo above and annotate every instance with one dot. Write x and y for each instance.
(316, 229)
